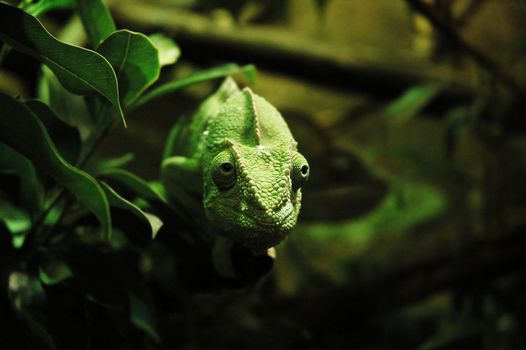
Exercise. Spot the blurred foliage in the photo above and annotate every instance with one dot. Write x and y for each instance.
(243, 11)
(252, 10)
(412, 228)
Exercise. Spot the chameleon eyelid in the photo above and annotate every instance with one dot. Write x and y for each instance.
(223, 171)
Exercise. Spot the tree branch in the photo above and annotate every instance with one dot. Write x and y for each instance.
(361, 68)
(481, 58)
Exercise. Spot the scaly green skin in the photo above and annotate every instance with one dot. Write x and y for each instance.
(249, 165)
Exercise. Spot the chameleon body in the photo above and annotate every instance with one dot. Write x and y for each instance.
(236, 163)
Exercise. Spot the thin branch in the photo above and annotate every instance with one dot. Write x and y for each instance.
(30, 242)
(481, 58)
(469, 12)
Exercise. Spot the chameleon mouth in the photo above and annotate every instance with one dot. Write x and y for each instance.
(258, 231)
(274, 221)
(253, 221)
(268, 224)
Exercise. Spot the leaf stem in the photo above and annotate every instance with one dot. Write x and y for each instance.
(99, 136)
(46, 236)
(32, 240)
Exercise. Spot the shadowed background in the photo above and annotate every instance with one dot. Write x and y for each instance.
(412, 116)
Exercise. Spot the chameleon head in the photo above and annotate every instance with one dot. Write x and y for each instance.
(252, 188)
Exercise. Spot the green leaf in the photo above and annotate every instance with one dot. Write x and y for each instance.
(16, 220)
(142, 317)
(197, 77)
(65, 137)
(79, 70)
(140, 187)
(53, 271)
(32, 194)
(6, 259)
(96, 19)
(135, 61)
(169, 52)
(69, 108)
(43, 6)
(411, 103)
(29, 137)
(117, 201)
(105, 165)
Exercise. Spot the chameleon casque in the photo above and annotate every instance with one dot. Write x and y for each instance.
(234, 167)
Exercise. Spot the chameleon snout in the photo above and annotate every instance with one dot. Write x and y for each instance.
(274, 217)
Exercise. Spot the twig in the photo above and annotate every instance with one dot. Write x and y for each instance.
(470, 11)
(30, 241)
(481, 58)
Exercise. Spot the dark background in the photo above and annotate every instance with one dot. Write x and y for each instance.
(412, 233)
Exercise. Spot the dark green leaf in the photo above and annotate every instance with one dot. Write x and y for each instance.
(96, 19)
(140, 187)
(70, 108)
(65, 137)
(135, 61)
(169, 52)
(412, 102)
(29, 137)
(6, 259)
(16, 220)
(44, 6)
(117, 201)
(32, 194)
(53, 271)
(142, 317)
(113, 163)
(79, 70)
(197, 77)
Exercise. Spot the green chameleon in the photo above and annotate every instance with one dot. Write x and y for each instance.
(234, 168)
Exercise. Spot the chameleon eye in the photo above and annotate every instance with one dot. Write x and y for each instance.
(300, 171)
(224, 170)
(226, 167)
